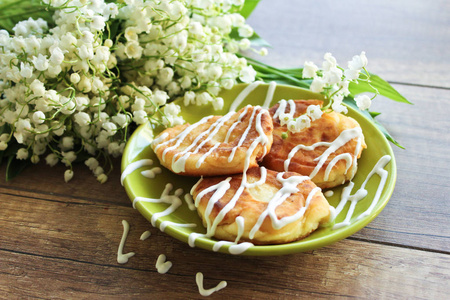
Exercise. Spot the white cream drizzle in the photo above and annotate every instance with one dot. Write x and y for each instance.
(345, 136)
(145, 235)
(134, 166)
(361, 193)
(189, 202)
(328, 193)
(163, 266)
(193, 236)
(121, 257)
(202, 291)
(164, 224)
(174, 202)
(152, 172)
(281, 110)
(242, 95)
(235, 248)
(269, 95)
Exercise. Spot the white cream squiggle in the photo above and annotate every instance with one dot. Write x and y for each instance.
(202, 291)
(152, 172)
(361, 193)
(269, 95)
(121, 257)
(289, 187)
(235, 248)
(163, 266)
(164, 224)
(133, 167)
(174, 201)
(245, 92)
(345, 136)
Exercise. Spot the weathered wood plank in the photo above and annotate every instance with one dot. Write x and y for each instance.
(44, 179)
(347, 269)
(404, 40)
(418, 213)
(66, 247)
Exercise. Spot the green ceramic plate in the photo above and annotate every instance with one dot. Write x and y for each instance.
(136, 184)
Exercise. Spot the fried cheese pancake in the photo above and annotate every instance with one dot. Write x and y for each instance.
(327, 151)
(260, 206)
(216, 145)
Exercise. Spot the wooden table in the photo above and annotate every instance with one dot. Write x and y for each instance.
(60, 240)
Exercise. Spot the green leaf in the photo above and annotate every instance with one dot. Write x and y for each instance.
(350, 102)
(377, 83)
(15, 166)
(258, 41)
(255, 39)
(248, 7)
(374, 114)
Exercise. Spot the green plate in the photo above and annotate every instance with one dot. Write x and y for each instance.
(136, 185)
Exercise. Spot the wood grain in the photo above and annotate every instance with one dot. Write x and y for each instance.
(404, 40)
(68, 248)
(348, 269)
(418, 214)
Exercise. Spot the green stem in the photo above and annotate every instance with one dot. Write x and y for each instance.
(266, 69)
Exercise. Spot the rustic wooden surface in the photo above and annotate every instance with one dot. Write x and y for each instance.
(60, 240)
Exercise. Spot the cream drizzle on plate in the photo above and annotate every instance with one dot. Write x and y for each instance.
(133, 167)
(361, 193)
(174, 202)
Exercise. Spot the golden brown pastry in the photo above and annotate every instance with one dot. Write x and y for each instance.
(327, 151)
(216, 145)
(273, 207)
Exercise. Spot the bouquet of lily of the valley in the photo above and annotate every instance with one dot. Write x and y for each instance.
(77, 76)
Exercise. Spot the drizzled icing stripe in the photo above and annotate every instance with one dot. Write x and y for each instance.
(152, 172)
(269, 95)
(345, 136)
(189, 201)
(174, 202)
(361, 193)
(289, 187)
(245, 92)
(133, 167)
(179, 138)
(179, 160)
(281, 110)
(235, 248)
(244, 135)
(164, 224)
